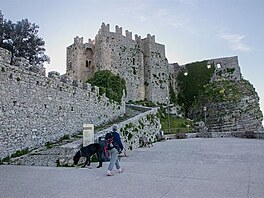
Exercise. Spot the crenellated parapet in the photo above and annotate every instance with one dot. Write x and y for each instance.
(150, 38)
(118, 30)
(104, 28)
(78, 41)
(128, 34)
(137, 38)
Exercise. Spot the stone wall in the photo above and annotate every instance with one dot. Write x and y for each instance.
(35, 109)
(156, 70)
(121, 55)
(227, 68)
(145, 124)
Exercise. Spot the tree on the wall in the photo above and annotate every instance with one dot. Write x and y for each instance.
(22, 40)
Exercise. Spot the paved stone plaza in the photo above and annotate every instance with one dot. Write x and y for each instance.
(215, 167)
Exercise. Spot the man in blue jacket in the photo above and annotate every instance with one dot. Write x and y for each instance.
(117, 148)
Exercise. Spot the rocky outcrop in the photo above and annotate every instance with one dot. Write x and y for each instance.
(233, 110)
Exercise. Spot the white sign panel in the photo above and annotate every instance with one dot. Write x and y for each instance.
(88, 134)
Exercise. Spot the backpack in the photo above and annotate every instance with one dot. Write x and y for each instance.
(109, 141)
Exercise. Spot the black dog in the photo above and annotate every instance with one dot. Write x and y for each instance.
(88, 152)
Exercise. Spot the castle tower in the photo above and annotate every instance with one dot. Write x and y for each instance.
(80, 59)
(140, 62)
(122, 56)
(156, 71)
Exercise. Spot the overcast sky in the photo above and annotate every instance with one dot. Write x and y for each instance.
(191, 30)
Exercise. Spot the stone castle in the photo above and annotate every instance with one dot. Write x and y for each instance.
(141, 62)
(148, 75)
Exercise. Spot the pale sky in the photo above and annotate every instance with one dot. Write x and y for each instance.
(191, 30)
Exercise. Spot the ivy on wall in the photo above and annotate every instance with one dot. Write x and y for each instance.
(173, 98)
(190, 85)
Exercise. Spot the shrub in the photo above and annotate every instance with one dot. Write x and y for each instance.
(19, 153)
(110, 84)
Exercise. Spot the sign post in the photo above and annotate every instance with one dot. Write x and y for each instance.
(88, 134)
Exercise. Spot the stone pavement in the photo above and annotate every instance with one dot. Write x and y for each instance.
(199, 168)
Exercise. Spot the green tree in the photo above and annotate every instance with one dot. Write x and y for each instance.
(1, 26)
(22, 40)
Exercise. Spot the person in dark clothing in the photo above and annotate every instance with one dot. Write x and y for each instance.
(114, 152)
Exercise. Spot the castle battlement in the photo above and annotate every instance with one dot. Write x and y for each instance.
(118, 29)
(137, 38)
(128, 34)
(78, 40)
(150, 38)
(105, 29)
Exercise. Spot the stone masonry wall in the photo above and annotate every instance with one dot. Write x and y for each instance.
(145, 124)
(121, 55)
(80, 59)
(227, 68)
(35, 109)
(156, 70)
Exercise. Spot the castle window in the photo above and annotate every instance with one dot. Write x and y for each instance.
(70, 66)
(133, 61)
(88, 63)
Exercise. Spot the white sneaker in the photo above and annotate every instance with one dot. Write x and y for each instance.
(109, 174)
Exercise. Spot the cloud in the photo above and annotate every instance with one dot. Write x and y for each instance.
(235, 41)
